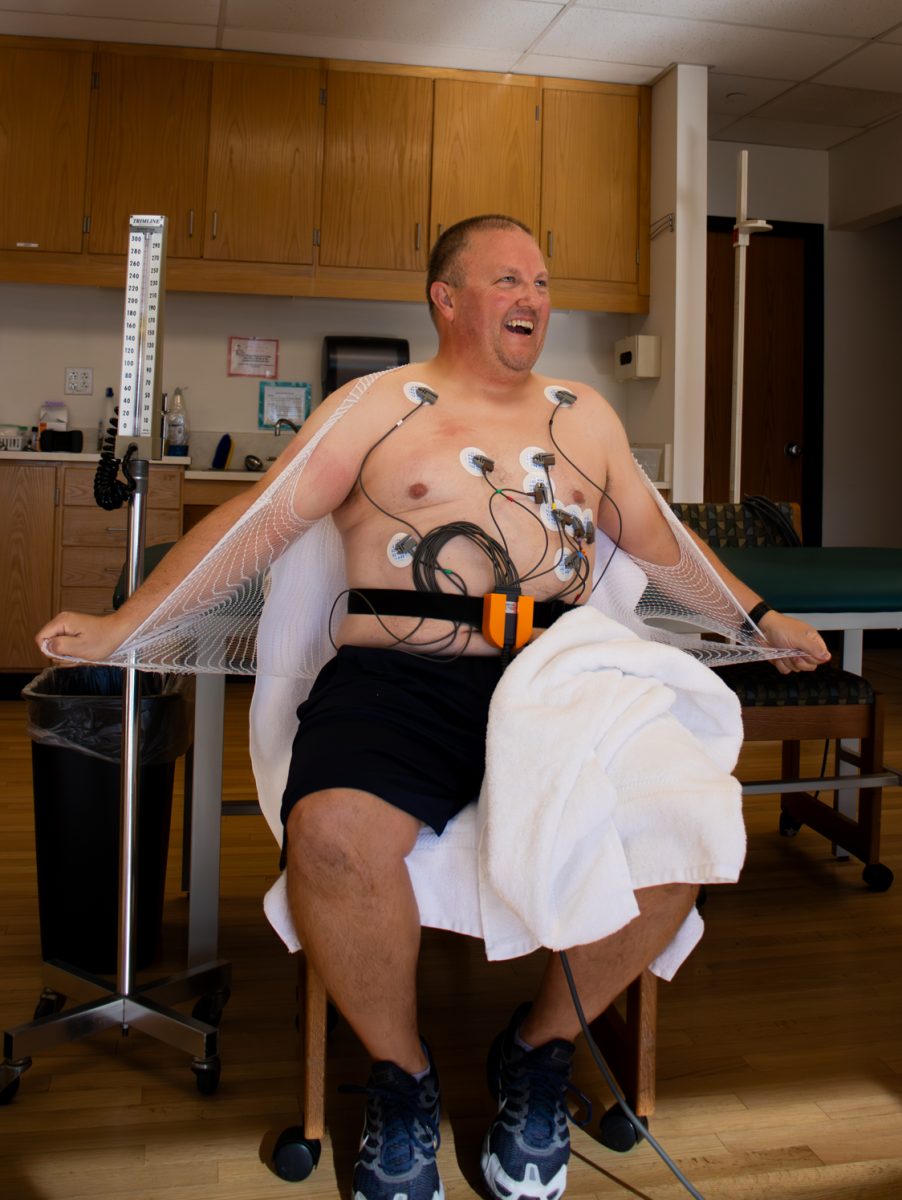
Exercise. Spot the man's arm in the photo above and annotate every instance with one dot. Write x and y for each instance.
(646, 534)
(84, 636)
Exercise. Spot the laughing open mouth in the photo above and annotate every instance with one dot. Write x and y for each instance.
(522, 325)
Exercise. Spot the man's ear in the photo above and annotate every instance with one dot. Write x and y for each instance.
(441, 297)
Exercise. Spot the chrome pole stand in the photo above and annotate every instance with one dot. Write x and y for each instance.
(105, 1004)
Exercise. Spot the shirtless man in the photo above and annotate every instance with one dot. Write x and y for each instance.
(392, 735)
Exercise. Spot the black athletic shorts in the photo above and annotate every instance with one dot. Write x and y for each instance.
(409, 730)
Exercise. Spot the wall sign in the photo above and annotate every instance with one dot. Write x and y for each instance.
(254, 356)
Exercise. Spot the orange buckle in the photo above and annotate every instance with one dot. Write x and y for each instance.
(507, 619)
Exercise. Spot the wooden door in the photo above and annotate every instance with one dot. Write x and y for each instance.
(485, 155)
(265, 147)
(44, 105)
(150, 149)
(783, 384)
(28, 504)
(590, 185)
(376, 169)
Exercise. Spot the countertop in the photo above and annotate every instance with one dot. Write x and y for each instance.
(85, 457)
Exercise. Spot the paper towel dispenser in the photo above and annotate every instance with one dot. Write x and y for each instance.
(345, 357)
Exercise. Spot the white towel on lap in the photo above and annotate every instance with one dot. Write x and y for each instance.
(607, 770)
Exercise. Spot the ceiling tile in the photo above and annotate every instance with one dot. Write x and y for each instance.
(508, 25)
(719, 121)
(878, 65)
(864, 18)
(409, 54)
(785, 133)
(105, 29)
(637, 38)
(739, 94)
(832, 105)
(585, 68)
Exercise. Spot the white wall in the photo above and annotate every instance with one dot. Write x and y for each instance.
(44, 329)
(866, 178)
(863, 388)
(783, 184)
(672, 408)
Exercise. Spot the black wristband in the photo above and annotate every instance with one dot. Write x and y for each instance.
(761, 609)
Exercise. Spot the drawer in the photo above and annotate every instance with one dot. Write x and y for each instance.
(96, 527)
(164, 488)
(96, 600)
(92, 567)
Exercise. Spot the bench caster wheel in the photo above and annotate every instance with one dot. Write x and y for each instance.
(206, 1074)
(295, 1156)
(618, 1132)
(878, 877)
(789, 826)
(49, 1003)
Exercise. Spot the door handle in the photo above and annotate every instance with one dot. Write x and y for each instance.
(792, 450)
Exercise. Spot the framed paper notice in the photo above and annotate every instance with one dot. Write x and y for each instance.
(254, 356)
(283, 401)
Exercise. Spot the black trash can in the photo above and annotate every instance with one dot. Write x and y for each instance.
(75, 722)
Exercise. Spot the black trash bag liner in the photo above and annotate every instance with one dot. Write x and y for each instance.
(80, 708)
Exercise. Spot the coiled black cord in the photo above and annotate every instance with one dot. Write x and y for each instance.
(109, 490)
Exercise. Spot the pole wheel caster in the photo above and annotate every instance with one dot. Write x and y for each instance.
(209, 1009)
(49, 1003)
(878, 877)
(789, 826)
(8, 1093)
(295, 1156)
(206, 1074)
(618, 1132)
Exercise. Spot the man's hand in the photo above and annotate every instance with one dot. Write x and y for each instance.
(81, 635)
(790, 633)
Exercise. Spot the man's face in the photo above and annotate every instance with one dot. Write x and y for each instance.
(502, 307)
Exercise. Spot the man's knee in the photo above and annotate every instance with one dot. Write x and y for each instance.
(338, 836)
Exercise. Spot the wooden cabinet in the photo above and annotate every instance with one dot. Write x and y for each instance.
(27, 501)
(485, 156)
(149, 149)
(44, 103)
(92, 541)
(594, 225)
(58, 550)
(376, 165)
(265, 150)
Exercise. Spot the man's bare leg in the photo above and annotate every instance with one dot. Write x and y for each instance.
(356, 915)
(603, 969)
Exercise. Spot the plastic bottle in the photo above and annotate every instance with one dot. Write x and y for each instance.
(177, 424)
(109, 405)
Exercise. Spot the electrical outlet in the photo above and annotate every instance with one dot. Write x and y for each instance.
(79, 381)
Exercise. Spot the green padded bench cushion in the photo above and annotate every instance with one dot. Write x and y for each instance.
(825, 579)
(760, 685)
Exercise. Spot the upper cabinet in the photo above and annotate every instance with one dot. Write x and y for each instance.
(289, 176)
(594, 224)
(149, 150)
(265, 148)
(485, 157)
(44, 104)
(376, 158)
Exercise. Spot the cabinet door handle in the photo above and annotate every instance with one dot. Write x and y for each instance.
(417, 238)
(215, 223)
(550, 244)
(190, 222)
(27, 245)
(438, 230)
(116, 528)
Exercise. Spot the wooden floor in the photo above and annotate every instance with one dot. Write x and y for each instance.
(780, 1042)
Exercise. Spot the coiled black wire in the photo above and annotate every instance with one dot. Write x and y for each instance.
(109, 490)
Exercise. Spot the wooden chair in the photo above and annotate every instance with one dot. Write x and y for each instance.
(627, 1040)
(826, 704)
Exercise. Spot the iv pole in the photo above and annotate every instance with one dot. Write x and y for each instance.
(742, 231)
(105, 1004)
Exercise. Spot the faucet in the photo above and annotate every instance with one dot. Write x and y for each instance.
(277, 427)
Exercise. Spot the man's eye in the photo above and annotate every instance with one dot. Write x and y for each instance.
(542, 283)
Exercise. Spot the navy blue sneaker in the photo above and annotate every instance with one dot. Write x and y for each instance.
(527, 1147)
(400, 1136)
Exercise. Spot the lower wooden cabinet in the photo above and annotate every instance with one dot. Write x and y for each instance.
(58, 550)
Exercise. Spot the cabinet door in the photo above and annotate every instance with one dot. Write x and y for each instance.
(376, 161)
(44, 104)
(265, 145)
(149, 149)
(485, 152)
(590, 185)
(28, 504)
